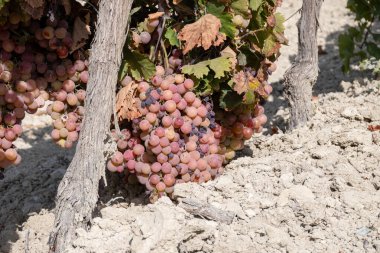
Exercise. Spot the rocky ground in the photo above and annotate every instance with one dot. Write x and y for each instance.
(315, 189)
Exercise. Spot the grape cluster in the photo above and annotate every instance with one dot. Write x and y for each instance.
(238, 126)
(35, 67)
(173, 141)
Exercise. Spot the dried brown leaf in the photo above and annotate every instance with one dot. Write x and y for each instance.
(155, 15)
(126, 104)
(67, 6)
(35, 3)
(35, 13)
(176, 1)
(81, 32)
(231, 55)
(202, 33)
(240, 82)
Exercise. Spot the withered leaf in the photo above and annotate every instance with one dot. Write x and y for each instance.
(35, 3)
(202, 33)
(155, 15)
(240, 82)
(67, 6)
(81, 32)
(126, 103)
(231, 55)
(35, 13)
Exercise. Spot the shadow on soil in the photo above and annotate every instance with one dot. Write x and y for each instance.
(329, 80)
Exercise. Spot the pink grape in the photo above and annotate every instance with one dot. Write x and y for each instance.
(189, 97)
(144, 125)
(138, 149)
(154, 179)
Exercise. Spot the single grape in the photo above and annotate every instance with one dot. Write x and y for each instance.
(145, 37)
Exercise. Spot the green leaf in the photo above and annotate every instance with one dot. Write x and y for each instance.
(199, 70)
(376, 36)
(172, 37)
(279, 28)
(228, 27)
(249, 97)
(240, 7)
(346, 50)
(255, 4)
(3, 3)
(229, 99)
(373, 50)
(137, 65)
(203, 87)
(269, 45)
(219, 65)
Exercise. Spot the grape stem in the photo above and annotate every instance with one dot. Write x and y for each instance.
(160, 32)
(165, 55)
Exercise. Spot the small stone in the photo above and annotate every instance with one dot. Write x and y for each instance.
(363, 231)
(287, 179)
(351, 113)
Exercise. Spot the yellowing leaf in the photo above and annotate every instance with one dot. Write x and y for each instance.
(202, 33)
(279, 27)
(231, 55)
(244, 81)
(126, 104)
(199, 70)
(219, 65)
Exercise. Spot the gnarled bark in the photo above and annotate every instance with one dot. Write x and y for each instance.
(78, 191)
(302, 75)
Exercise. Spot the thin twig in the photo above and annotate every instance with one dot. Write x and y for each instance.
(252, 33)
(165, 55)
(297, 11)
(368, 30)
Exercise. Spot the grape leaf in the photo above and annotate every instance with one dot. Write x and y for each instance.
(126, 105)
(219, 65)
(271, 46)
(35, 3)
(255, 4)
(231, 54)
(199, 70)
(240, 7)
(138, 65)
(228, 27)
(2, 3)
(279, 27)
(229, 99)
(81, 32)
(373, 50)
(171, 35)
(202, 33)
(346, 49)
(249, 97)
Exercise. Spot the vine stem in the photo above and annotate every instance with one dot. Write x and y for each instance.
(252, 32)
(368, 30)
(165, 56)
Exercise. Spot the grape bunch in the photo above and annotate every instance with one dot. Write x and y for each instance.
(35, 67)
(238, 126)
(173, 141)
